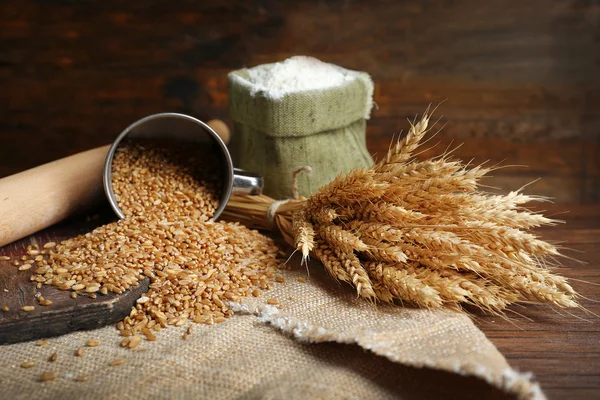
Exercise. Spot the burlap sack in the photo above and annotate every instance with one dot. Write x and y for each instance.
(320, 342)
(323, 129)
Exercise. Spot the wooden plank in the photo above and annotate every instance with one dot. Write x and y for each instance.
(65, 314)
(561, 349)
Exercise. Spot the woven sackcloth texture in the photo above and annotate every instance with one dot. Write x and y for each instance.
(319, 342)
(323, 129)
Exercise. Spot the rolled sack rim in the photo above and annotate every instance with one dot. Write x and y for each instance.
(301, 113)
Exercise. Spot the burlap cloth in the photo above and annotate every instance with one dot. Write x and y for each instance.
(320, 342)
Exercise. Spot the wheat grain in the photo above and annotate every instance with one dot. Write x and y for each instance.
(166, 236)
(47, 376)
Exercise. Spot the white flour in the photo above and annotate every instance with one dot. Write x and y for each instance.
(297, 74)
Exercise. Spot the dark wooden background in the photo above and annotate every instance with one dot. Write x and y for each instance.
(520, 79)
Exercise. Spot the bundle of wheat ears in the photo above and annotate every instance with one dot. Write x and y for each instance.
(419, 232)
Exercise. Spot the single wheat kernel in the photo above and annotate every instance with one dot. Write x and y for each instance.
(16, 262)
(272, 301)
(25, 267)
(256, 293)
(134, 342)
(44, 302)
(48, 376)
(49, 245)
(92, 295)
(79, 352)
(119, 361)
(42, 342)
(185, 336)
(5, 308)
(81, 378)
(53, 357)
(149, 335)
(73, 295)
(279, 279)
(229, 295)
(92, 343)
(28, 364)
(92, 288)
(4, 258)
(301, 279)
(218, 302)
(27, 308)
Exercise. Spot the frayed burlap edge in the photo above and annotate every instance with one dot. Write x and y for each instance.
(288, 318)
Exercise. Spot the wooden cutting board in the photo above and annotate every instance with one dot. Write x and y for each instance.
(64, 314)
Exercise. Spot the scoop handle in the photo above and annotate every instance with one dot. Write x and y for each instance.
(37, 198)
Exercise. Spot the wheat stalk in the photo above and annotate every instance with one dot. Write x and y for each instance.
(304, 233)
(403, 149)
(419, 232)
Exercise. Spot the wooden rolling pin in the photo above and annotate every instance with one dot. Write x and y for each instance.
(42, 196)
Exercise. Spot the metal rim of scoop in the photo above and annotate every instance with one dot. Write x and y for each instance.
(107, 176)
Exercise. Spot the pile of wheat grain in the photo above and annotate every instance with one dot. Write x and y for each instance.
(168, 195)
(420, 232)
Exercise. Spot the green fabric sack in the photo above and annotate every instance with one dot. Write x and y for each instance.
(322, 128)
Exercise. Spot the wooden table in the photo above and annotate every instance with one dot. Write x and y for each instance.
(561, 347)
(520, 83)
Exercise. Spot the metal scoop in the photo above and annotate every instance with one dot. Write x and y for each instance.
(184, 128)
